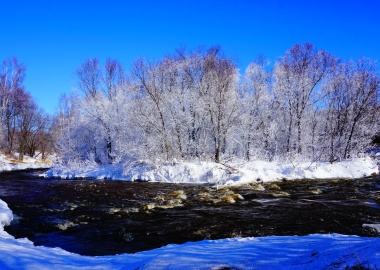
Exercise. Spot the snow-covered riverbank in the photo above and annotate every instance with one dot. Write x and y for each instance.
(274, 252)
(13, 164)
(233, 173)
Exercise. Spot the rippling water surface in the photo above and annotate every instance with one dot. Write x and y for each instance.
(110, 217)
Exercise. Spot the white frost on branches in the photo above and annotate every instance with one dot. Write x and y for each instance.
(196, 106)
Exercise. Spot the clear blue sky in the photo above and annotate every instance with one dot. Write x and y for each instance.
(52, 37)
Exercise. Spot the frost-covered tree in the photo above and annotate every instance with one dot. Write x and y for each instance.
(94, 125)
(297, 79)
(256, 111)
(187, 104)
(219, 95)
(196, 105)
(352, 109)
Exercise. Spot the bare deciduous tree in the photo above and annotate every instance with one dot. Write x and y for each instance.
(194, 105)
(298, 75)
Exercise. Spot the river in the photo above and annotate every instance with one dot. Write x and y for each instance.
(93, 217)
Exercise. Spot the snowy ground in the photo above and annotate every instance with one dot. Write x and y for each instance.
(274, 252)
(12, 163)
(235, 173)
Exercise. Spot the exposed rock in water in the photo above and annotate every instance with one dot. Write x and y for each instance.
(223, 195)
(257, 187)
(178, 194)
(149, 206)
(230, 196)
(205, 197)
(316, 191)
(228, 199)
(372, 227)
(171, 204)
(166, 201)
(160, 198)
(273, 186)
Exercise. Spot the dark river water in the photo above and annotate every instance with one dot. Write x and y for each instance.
(109, 217)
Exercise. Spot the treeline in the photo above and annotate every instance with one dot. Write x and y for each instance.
(24, 128)
(197, 105)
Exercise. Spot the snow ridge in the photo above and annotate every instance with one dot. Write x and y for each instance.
(202, 172)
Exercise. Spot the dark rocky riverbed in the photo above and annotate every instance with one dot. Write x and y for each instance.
(110, 217)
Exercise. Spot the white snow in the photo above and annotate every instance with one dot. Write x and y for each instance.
(6, 217)
(273, 252)
(235, 173)
(11, 164)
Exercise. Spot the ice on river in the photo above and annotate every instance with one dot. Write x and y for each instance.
(235, 173)
(274, 252)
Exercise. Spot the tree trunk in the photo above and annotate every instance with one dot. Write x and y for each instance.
(299, 147)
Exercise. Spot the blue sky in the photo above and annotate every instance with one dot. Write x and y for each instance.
(52, 38)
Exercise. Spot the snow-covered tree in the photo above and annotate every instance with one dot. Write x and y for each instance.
(297, 81)
(95, 125)
(196, 105)
(352, 109)
(256, 119)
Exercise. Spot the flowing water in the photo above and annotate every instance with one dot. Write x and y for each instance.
(92, 217)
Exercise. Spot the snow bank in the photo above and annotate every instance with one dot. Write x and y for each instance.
(9, 164)
(234, 173)
(6, 217)
(279, 252)
(355, 168)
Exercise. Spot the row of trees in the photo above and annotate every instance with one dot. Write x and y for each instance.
(197, 105)
(24, 128)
